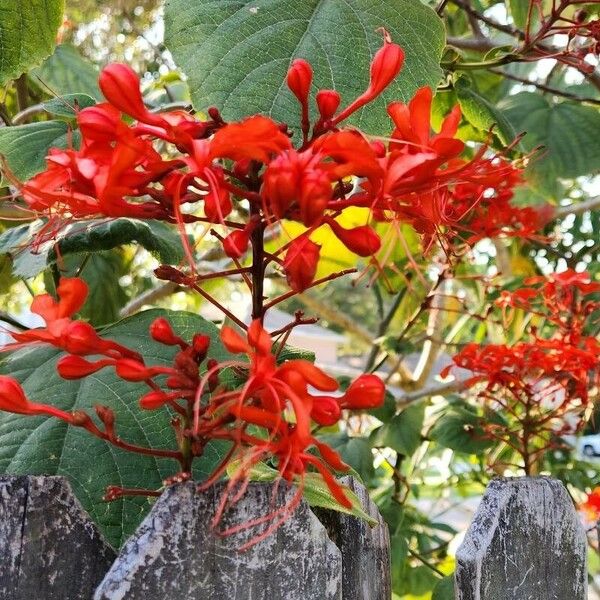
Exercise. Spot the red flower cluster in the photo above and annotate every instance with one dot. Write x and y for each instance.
(541, 387)
(272, 397)
(417, 178)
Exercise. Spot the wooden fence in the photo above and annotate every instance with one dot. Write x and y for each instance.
(525, 543)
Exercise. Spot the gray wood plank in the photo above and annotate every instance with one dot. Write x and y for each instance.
(49, 547)
(526, 542)
(365, 550)
(176, 555)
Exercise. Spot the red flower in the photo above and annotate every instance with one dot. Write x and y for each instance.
(254, 138)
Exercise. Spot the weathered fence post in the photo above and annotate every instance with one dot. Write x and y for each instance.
(526, 542)
(49, 547)
(365, 550)
(176, 554)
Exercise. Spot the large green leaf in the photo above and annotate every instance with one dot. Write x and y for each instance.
(27, 34)
(67, 72)
(25, 146)
(403, 432)
(92, 236)
(568, 132)
(460, 430)
(39, 445)
(236, 53)
(355, 452)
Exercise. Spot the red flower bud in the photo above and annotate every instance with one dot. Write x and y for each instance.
(106, 415)
(385, 66)
(132, 370)
(75, 367)
(299, 78)
(368, 391)
(12, 396)
(100, 123)
(161, 331)
(326, 410)
(200, 344)
(300, 264)
(361, 240)
(81, 338)
(121, 87)
(153, 400)
(236, 243)
(328, 101)
(316, 193)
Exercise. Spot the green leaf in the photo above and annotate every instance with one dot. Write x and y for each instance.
(68, 105)
(25, 146)
(316, 492)
(444, 590)
(36, 445)
(482, 114)
(27, 34)
(236, 53)
(355, 451)
(101, 272)
(460, 430)
(569, 133)
(403, 432)
(92, 236)
(67, 72)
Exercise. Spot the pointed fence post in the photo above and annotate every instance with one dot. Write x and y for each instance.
(176, 554)
(49, 547)
(365, 550)
(526, 542)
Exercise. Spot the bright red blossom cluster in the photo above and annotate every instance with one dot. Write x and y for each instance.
(418, 177)
(274, 398)
(541, 387)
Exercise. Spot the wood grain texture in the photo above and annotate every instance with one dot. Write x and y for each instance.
(365, 550)
(177, 554)
(526, 542)
(49, 547)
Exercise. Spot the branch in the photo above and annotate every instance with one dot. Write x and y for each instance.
(438, 389)
(546, 88)
(577, 208)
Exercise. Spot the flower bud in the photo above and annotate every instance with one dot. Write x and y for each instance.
(12, 396)
(153, 400)
(75, 367)
(361, 240)
(236, 243)
(328, 101)
(300, 264)
(161, 331)
(299, 79)
(367, 391)
(326, 410)
(121, 87)
(316, 193)
(132, 370)
(200, 344)
(81, 338)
